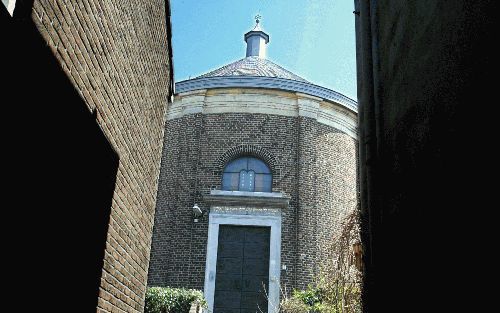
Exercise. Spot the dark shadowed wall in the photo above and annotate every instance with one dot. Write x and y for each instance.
(424, 90)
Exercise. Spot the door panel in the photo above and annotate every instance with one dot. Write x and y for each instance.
(228, 282)
(242, 269)
(255, 283)
(229, 265)
(256, 250)
(255, 266)
(250, 299)
(227, 299)
(230, 250)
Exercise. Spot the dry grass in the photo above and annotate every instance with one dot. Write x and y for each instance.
(338, 287)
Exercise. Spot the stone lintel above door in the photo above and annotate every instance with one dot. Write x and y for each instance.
(246, 200)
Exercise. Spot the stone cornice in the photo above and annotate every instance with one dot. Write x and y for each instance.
(259, 101)
(268, 83)
(252, 199)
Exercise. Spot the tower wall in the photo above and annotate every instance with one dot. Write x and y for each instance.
(314, 164)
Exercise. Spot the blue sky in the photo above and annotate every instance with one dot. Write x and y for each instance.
(314, 39)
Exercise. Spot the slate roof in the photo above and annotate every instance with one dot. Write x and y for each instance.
(253, 66)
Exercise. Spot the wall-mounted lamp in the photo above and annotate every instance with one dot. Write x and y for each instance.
(197, 212)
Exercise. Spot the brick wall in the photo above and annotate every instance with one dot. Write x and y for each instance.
(336, 168)
(116, 54)
(312, 163)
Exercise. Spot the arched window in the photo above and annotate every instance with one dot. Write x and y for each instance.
(247, 174)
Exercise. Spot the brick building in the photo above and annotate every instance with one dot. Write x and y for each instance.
(85, 86)
(258, 175)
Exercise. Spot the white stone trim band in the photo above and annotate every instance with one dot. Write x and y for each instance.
(251, 100)
(268, 83)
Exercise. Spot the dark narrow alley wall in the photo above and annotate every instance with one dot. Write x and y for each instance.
(425, 84)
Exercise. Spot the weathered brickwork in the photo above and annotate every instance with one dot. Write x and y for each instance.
(116, 53)
(327, 193)
(336, 167)
(312, 163)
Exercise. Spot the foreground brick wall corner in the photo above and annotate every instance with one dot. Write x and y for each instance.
(118, 58)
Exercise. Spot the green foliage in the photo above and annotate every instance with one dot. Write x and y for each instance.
(293, 305)
(310, 296)
(326, 296)
(172, 300)
(338, 284)
(339, 296)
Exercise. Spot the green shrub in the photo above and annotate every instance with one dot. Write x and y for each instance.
(310, 297)
(293, 305)
(172, 300)
(326, 296)
(340, 296)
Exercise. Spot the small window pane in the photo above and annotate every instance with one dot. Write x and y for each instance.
(263, 182)
(230, 181)
(258, 166)
(236, 166)
(243, 181)
(247, 180)
(251, 180)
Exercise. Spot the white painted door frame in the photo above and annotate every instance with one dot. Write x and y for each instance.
(273, 221)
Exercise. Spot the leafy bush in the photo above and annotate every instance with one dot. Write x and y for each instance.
(172, 300)
(310, 297)
(293, 305)
(326, 296)
(337, 287)
(339, 296)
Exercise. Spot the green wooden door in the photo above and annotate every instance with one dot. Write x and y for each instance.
(242, 278)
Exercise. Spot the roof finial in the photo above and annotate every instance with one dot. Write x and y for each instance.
(257, 18)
